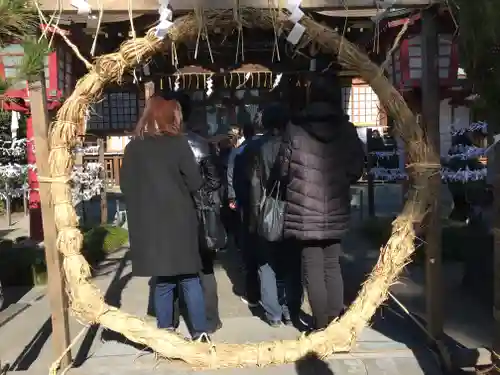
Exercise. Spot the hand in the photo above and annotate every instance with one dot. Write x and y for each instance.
(232, 205)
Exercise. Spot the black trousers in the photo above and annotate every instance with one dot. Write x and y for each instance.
(209, 285)
(249, 243)
(323, 280)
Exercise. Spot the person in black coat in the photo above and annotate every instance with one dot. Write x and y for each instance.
(278, 264)
(238, 184)
(159, 177)
(208, 196)
(324, 156)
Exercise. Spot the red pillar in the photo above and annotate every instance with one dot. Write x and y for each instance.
(36, 224)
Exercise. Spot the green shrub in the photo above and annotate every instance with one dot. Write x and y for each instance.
(21, 265)
(39, 268)
(102, 240)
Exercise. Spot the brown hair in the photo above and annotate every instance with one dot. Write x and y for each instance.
(160, 116)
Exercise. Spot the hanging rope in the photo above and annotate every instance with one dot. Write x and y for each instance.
(202, 32)
(240, 45)
(98, 29)
(395, 45)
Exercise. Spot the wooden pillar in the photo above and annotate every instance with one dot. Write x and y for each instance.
(35, 210)
(430, 119)
(370, 164)
(79, 152)
(56, 281)
(8, 203)
(104, 192)
(494, 176)
(405, 184)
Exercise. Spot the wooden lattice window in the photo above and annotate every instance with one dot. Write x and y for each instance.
(362, 105)
(117, 111)
(65, 74)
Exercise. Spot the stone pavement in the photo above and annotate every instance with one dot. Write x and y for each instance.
(18, 228)
(392, 346)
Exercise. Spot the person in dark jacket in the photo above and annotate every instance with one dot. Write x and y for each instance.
(376, 142)
(279, 290)
(248, 135)
(159, 178)
(207, 196)
(247, 240)
(324, 156)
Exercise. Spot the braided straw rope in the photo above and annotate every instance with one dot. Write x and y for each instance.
(86, 300)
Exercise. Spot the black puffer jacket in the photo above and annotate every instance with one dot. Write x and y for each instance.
(261, 156)
(208, 195)
(325, 157)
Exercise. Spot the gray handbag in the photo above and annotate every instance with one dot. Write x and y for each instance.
(273, 205)
(272, 215)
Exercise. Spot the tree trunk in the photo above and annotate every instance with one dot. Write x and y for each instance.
(494, 161)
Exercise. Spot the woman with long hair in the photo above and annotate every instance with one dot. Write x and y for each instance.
(159, 178)
(207, 199)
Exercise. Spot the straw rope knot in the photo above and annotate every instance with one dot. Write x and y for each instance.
(70, 254)
(424, 165)
(63, 179)
(60, 147)
(61, 202)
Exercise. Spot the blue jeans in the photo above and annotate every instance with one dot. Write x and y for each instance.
(280, 280)
(273, 294)
(193, 299)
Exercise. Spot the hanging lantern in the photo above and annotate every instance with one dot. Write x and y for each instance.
(58, 75)
(58, 71)
(405, 67)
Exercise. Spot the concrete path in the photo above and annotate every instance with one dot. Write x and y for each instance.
(19, 226)
(392, 346)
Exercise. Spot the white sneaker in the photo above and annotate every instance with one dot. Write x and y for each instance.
(248, 303)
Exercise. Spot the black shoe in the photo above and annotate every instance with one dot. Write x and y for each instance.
(287, 320)
(204, 338)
